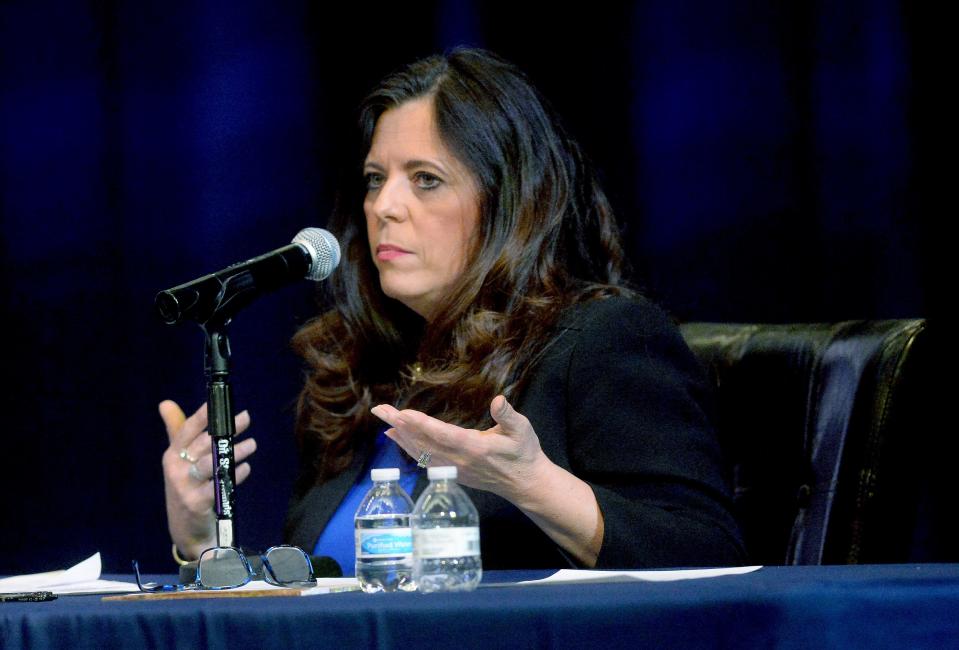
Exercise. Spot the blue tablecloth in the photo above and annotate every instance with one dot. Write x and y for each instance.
(822, 607)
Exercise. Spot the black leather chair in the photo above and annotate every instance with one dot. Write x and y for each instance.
(827, 429)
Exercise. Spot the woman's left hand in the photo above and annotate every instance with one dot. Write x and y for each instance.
(505, 459)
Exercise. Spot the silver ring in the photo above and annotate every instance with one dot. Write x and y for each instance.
(195, 473)
(185, 455)
(424, 458)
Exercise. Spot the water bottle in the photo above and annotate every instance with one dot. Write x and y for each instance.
(384, 542)
(446, 544)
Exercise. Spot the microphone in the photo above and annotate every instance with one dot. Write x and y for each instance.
(313, 254)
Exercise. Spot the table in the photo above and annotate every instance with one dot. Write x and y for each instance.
(902, 606)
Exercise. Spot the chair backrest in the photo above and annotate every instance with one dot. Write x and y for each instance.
(816, 421)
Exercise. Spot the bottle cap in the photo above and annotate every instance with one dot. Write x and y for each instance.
(435, 473)
(385, 474)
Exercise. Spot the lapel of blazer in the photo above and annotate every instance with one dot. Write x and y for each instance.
(310, 514)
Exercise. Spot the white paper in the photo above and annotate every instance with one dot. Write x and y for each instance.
(94, 587)
(323, 586)
(332, 585)
(576, 575)
(80, 578)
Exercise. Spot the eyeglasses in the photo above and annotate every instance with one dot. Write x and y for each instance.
(223, 567)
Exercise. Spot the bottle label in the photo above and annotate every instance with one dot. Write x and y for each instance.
(377, 542)
(434, 543)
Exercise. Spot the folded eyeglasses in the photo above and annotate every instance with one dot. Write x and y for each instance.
(224, 567)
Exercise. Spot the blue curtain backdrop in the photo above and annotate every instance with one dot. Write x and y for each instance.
(768, 162)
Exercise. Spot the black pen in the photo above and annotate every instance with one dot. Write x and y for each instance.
(28, 597)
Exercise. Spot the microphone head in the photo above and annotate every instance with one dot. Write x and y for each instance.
(323, 249)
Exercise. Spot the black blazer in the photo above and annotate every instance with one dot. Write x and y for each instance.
(619, 400)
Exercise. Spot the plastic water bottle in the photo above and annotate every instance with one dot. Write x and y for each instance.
(384, 541)
(446, 543)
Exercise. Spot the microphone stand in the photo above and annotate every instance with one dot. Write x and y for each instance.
(221, 427)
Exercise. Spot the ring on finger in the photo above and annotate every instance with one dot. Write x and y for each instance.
(424, 458)
(185, 455)
(195, 473)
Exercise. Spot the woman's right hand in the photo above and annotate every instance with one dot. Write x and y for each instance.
(189, 500)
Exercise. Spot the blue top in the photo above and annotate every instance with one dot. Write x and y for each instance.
(337, 540)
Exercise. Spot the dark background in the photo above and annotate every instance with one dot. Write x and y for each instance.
(769, 162)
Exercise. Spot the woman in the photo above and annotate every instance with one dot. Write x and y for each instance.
(481, 319)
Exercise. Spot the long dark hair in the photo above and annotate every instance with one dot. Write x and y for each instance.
(547, 239)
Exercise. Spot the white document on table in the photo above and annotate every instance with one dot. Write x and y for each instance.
(664, 575)
(81, 578)
(323, 586)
